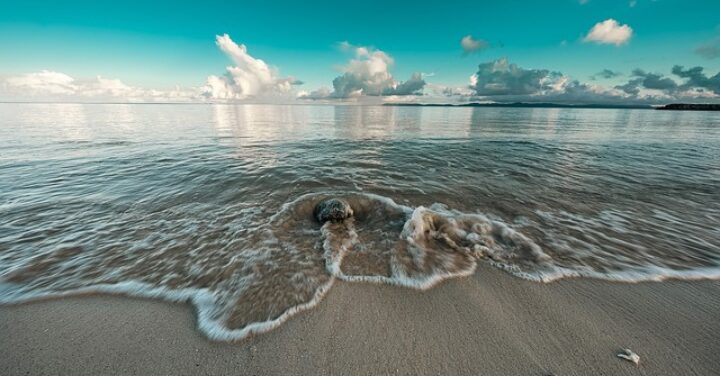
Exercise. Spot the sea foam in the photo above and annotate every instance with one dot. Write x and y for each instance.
(287, 264)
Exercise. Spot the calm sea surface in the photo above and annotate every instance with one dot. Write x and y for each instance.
(214, 203)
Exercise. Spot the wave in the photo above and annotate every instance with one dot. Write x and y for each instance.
(270, 270)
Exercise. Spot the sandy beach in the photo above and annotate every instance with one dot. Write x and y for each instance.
(489, 323)
(319, 188)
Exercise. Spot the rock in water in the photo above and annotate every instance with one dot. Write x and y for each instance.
(333, 210)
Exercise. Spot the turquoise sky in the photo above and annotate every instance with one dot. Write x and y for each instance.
(161, 44)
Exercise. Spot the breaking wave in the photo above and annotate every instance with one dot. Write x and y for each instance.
(285, 264)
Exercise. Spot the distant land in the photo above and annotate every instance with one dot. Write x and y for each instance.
(667, 107)
(690, 107)
(673, 106)
(523, 104)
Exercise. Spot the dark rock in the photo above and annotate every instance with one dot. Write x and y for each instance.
(333, 210)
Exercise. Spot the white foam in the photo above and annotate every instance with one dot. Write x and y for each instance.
(202, 299)
(635, 275)
(398, 276)
(435, 231)
(413, 230)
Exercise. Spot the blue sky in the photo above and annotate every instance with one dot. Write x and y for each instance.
(162, 44)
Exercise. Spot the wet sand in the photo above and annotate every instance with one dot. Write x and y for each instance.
(488, 323)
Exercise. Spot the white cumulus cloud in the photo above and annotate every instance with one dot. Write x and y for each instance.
(368, 74)
(470, 44)
(247, 77)
(250, 77)
(609, 32)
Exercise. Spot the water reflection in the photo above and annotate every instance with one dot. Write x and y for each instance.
(240, 124)
(364, 122)
(178, 195)
(69, 123)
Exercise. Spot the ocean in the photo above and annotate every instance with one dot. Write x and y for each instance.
(213, 204)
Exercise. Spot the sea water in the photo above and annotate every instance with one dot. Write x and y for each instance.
(213, 204)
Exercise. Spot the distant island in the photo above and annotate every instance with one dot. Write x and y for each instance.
(522, 104)
(690, 107)
(673, 106)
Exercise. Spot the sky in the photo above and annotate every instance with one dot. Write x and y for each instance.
(570, 51)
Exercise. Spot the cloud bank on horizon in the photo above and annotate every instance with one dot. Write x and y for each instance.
(502, 81)
(47, 85)
(367, 74)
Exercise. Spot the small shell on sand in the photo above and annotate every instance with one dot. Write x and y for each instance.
(630, 356)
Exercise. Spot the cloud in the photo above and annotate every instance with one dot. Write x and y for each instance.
(697, 80)
(471, 45)
(695, 84)
(709, 50)
(368, 74)
(502, 81)
(49, 85)
(321, 93)
(412, 86)
(631, 87)
(500, 77)
(609, 32)
(367, 78)
(606, 74)
(43, 82)
(655, 81)
(248, 78)
(651, 81)
(450, 91)
(111, 88)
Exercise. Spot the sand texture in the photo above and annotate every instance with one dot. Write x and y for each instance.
(489, 323)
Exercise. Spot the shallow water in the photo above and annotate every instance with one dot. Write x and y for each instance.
(213, 203)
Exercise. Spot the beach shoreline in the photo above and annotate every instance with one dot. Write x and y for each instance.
(488, 323)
